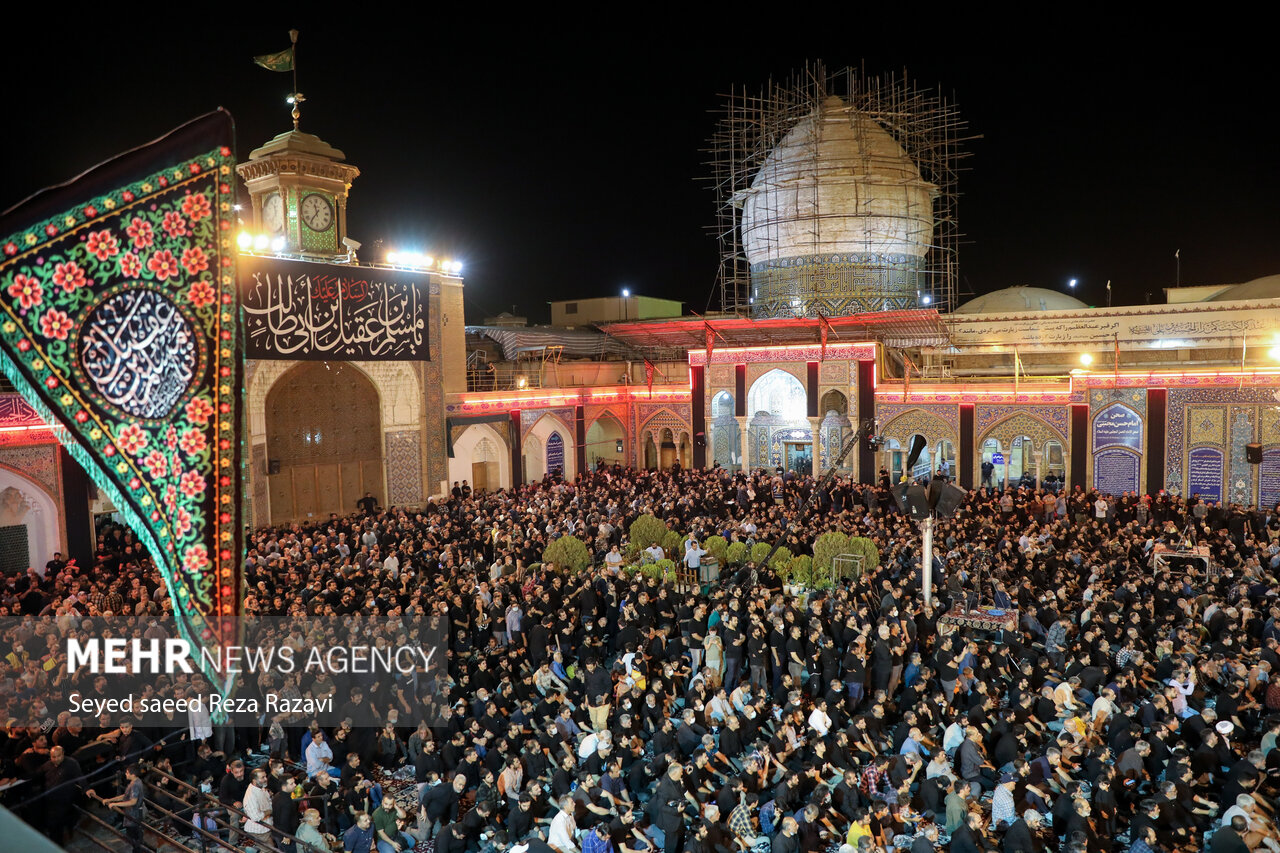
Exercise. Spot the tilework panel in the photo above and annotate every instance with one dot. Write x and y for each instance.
(258, 476)
(403, 463)
(1240, 479)
(1206, 425)
(37, 462)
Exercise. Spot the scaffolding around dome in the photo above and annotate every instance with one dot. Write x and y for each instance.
(836, 194)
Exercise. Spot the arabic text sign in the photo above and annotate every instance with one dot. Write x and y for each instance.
(1115, 472)
(1269, 479)
(1132, 329)
(332, 312)
(555, 453)
(1117, 426)
(1204, 473)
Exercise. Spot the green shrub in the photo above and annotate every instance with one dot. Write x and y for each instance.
(651, 571)
(781, 557)
(759, 551)
(737, 553)
(569, 552)
(631, 570)
(868, 549)
(647, 530)
(825, 548)
(667, 568)
(672, 543)
(717, 547)
(800, 566)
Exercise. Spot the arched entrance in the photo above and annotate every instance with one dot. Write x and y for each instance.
(29, 527)
(726, 440)
(835, 429)
(666, 450)
(650, 452)
(992, 471)
(480, 455)
(606, 442)
(779, 433)
(324, 437)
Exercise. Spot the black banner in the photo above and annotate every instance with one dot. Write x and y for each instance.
(332, 312)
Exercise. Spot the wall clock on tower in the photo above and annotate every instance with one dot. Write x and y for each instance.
(317, 212)
(273, 213)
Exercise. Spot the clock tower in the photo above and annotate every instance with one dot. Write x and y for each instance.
(298, 185)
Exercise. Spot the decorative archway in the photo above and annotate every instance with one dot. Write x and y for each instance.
(778, 403)
(480, 455)
(725, 438)
(29, 524)
(542, 429)
(835, 429)
(1023, 440)
(604, 438)
(324, 438)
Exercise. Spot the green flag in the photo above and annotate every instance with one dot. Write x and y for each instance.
(282, 61)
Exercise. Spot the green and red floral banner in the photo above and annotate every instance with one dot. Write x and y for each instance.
(119, 323)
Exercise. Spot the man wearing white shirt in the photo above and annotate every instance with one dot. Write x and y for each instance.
(655, 552)
(564, 830)
(819, 720)
(257, 809)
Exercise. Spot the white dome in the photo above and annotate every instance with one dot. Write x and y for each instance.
(1023, 298)
(1267, 287)
(837, 183)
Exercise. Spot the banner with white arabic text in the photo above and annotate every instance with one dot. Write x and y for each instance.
(332, 312)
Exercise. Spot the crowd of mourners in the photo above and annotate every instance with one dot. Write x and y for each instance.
(1128, 707)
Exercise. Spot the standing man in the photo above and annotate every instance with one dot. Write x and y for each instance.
(130, 805)
(61, 777)
(257, 809)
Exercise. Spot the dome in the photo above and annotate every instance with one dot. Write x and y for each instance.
(837, 219)
(1013, 299)
(837, 182)
(1267, 287)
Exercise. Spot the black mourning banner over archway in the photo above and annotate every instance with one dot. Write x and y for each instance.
(300, 310)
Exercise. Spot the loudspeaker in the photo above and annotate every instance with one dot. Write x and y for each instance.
(273, 466)
(617, 446)
(917, 447)
(699, 439)
(1253, 453)
(912, 500)
(945, 498)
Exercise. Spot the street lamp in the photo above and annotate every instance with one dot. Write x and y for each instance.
(626, 295)
(1071, 283)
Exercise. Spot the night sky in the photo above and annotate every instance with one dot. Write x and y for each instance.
(556, 163)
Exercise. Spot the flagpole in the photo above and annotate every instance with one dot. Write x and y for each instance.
(293, 61)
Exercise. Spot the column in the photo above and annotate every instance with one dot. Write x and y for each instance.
(744, 458)
(815, 430)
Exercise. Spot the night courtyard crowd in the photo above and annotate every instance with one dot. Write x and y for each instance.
(604, 711)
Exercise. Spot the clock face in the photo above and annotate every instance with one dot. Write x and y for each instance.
(316, 213)
(273, 213)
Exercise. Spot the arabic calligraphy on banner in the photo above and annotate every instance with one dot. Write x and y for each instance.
(1133, 329)
(139, 352)
(1117, 426)
(330, 312)
(1204, 473)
